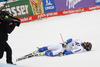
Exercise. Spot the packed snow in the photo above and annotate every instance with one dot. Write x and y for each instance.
(26, 38)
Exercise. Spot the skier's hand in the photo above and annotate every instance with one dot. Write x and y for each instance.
(60, 54)
(64, 44)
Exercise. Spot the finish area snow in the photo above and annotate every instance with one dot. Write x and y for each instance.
(85, 26)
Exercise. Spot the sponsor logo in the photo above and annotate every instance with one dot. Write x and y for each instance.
(72, 3)
(26, 19)
(20, 10)
(97, 1)
(94, 8)
(49, 5)
(73, 11)
(48, 2)
(47, 15)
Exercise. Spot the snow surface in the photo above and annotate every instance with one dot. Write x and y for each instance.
(9, 65)
(84, 26)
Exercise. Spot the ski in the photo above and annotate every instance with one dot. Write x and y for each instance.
(34, 54)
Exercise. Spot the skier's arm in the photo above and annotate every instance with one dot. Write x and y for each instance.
(69, 40)
(64, 44)
(9, 27)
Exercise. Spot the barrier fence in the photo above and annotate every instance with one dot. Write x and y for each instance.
(29, 10)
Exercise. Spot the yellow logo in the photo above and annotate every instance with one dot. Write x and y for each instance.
(6, 16)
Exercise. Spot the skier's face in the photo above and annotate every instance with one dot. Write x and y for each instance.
(84, 44)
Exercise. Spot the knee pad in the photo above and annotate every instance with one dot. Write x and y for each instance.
(48, 53)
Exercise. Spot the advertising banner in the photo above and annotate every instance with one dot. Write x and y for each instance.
(37, 6)
(19, 8)
(49, 6)
(29, 10)
(12, 0)
(97, 2)
(72, 4)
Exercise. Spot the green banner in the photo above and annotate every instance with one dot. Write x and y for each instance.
(20, 8)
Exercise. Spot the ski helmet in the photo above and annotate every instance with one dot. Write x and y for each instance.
(87, 46)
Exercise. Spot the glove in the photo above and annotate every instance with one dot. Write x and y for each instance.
(64, 44)
(60, 54)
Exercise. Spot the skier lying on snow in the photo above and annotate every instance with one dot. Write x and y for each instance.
(68, 47)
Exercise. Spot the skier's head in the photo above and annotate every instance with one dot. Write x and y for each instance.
(87, 46)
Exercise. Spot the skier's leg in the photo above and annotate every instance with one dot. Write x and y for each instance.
(51, 47)
(54, 53)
